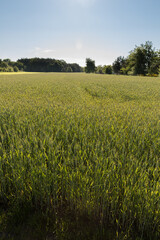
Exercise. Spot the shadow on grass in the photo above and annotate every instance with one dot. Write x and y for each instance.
(30, 224)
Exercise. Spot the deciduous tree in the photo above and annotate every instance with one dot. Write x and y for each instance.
(90, 66)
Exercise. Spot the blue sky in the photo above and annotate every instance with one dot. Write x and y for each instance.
(76, 29)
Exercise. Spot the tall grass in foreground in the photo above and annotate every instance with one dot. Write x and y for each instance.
(83, 143)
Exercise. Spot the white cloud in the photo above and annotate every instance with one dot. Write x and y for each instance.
(80, 61)
(47, 51)
(42, 52)
(37, 48)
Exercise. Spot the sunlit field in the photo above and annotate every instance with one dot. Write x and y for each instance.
(79, 153)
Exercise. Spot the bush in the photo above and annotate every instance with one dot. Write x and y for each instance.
(152, 75)
(16, 69)
(99, 69)
(108, 69)
(1, 69)
(9, 69)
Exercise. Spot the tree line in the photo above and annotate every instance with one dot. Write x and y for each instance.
(38, 65)
(142, 60)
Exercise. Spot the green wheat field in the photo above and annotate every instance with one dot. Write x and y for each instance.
(79, 156)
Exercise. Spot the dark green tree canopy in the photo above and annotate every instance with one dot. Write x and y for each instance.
(38, 65)
(144, 60)
(108, 69)
(48, 65)
(118, 64)
(90, 66)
